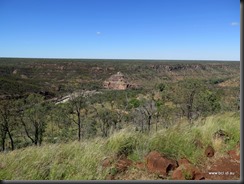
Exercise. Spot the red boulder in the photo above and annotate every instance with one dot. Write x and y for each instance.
(156, 163)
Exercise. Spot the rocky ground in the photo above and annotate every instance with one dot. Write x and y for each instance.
(158, 167)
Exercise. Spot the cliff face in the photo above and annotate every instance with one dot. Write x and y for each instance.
(116, 82)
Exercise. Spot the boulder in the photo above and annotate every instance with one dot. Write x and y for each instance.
(199, 176)
(183, 161)
(156, 163)
(186, 172)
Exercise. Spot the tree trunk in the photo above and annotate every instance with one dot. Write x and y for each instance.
(40, 136)
(11, 140)
(79, 126)
(157, 125)
(149, 122)
(36, 136)
(3, 140)
(190, 106)
(27, 133)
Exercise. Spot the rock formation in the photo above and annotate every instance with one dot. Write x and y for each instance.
(116, 82)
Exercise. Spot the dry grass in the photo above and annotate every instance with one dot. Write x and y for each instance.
(82, 160)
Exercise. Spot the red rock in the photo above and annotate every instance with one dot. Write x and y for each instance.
(183, 161)
(184, 172)
(199, 176)
(209, 151)
(123, 164)
(158, 164)
(177, 175)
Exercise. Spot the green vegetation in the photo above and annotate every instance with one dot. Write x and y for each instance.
(57, 121)
(82, 160)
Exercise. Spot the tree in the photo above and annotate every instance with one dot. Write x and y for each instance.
(120, 111)
(144, 114)
(106, 118)
(110, 109)
(78, 102)
(33, 118)
(7, 122)
(163, 114)
(185, 94)
(90, 127)
(195, 98)
(60, 123)
(208, 102)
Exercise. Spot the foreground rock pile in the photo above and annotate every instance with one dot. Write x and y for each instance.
(159, 165)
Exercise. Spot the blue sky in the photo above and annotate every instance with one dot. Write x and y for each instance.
(121, 29)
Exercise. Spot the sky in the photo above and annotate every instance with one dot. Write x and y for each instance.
(121, 29)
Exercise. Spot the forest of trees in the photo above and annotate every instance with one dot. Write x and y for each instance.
(34, 120)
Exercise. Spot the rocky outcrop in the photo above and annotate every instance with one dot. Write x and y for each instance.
(117, 82)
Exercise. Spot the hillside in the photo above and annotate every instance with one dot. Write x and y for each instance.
(100, 158)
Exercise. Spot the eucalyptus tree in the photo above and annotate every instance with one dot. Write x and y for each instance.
(144, 111)
(196, 98)
(7, 123)
(109, 110)
(60, 123)
(34, 117)
(184, 95)
(78, 111)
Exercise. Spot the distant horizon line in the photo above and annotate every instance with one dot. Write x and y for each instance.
(118, 59)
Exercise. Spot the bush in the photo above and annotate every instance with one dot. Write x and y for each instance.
(216, 81)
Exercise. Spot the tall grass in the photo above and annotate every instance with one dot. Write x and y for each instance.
(82, 160)
(73, 161)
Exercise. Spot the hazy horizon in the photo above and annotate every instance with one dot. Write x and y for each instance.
(116, 59)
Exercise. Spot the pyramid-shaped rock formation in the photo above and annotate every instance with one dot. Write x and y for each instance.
(116, 82)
